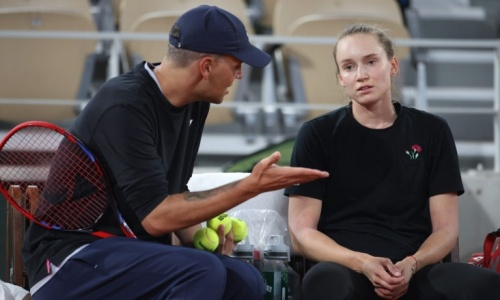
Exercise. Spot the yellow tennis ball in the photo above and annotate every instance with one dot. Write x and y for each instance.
(206, 239)
(240, 229)
(222, 219)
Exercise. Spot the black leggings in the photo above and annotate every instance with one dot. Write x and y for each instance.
(454, 281)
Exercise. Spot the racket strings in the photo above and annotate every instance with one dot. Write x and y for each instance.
(73, 192)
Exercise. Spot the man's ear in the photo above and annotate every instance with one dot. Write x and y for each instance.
(205, 64)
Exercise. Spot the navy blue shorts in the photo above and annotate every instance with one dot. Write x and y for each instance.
(123, 268)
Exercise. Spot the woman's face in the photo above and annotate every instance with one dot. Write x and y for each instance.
(364, 69)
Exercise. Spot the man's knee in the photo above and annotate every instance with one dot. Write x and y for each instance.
(243, 281)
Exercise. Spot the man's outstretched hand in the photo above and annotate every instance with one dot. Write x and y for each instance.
(267, 176)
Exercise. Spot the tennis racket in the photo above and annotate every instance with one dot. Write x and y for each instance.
(73, 188)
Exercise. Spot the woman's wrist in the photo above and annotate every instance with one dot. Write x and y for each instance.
(414, 264)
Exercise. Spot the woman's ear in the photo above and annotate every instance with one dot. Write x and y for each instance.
(394, 66)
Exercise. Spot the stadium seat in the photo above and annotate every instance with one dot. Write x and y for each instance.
(261, 13)
(492, 8)
(158, 16)
(38, 69)
(287, 12)
(462, 78)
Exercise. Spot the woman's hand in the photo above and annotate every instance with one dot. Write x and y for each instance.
(386, 277)
(406, 269)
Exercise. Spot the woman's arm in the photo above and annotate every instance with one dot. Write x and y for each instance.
(303, 217)
(444, 218)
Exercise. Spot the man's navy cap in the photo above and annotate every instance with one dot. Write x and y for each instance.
(210, 29)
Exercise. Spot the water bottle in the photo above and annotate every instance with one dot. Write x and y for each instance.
(281, 279)
(244, 251)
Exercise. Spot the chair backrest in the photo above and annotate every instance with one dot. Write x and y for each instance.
(42, 68)
(265, 12)
(288, 12)
(315, 61)
(16, 227)
(158, 16)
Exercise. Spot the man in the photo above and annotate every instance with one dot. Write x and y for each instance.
(146, 127)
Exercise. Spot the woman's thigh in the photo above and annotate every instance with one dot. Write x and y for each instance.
(331, 281)
(454, 281)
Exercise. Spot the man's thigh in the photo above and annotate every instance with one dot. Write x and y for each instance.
(122, 268)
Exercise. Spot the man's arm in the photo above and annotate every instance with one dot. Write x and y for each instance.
(184, 210)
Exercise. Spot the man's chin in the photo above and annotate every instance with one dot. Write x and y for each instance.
(217, 101)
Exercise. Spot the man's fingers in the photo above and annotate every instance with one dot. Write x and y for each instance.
(230, 241)
(226, 242)
(220, 233)
(270, 160)
(307, 175)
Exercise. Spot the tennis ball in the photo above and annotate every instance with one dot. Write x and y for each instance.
(240, 229)
(206, 239)
(222, 219)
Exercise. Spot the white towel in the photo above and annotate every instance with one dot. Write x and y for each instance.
(10, 291)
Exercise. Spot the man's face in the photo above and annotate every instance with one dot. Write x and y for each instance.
(225, 70)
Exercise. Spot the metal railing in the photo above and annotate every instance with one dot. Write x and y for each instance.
(421, 93)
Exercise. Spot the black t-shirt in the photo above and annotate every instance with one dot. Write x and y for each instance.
(376, 199)
(147, 147)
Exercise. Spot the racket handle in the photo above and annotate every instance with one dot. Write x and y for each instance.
(102, 234)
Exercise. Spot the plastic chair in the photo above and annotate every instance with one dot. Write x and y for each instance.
(45, 68)
(287, 12)
(261, 12)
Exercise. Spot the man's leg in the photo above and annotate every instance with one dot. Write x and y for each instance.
(244, 281)
(121, 268)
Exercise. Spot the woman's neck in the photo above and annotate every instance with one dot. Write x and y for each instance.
(375, 116)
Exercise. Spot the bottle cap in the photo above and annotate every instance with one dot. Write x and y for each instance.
(243, 249)
(276, 248)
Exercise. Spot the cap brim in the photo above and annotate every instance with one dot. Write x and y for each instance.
(254, 57)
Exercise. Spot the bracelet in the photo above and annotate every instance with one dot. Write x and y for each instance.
(414, 269)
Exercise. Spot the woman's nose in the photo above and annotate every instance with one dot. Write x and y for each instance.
(361, 73)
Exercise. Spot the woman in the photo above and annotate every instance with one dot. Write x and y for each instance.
(386, 217)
